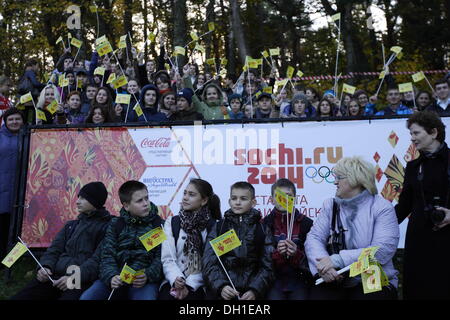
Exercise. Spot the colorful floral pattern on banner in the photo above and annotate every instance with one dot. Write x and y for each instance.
(61, 162)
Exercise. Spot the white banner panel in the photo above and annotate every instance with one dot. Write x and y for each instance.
(303, 152)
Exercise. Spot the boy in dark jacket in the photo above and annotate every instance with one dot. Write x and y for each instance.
(75, 245)
(292, 275)
(249, 265)
(122, 245)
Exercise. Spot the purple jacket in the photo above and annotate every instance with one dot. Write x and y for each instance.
(370, 221)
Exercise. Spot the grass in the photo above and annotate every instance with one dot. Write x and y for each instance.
(21, 273)
(24, 270)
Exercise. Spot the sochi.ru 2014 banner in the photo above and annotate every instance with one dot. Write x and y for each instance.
(62, 161)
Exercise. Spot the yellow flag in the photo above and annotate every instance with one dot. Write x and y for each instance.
(79, 83)
(224, 61)
(199, 48)
(122, 44)
(260, 61)
(53, 107)
(69, 35)
(284, 200)
(225, 242)
(400, 56)
(368, 252)
(258, 94)
(76, 43)
(93, 9)
(153, 238)
(253, 64)
(274, 52)
(120, 82)
(59, 40)
(100, 71)
(26, 97)
(179, 51)
(265, 54)
(371, 279)
(290, 72)
(167, 66)
(336, 16)
(138, 109)
(211, 26)
(211, 61)
(64, 82)
(151, 36)
(396, 49)
(348, 88)
(41, 115)
(104, 48)
(281, 83)
(101, 40)
(123, 98)
(16, 252)
(405, 87)
(127, 274)
(268, 90)
(382, 74)
(194, 36)
(299, 74)
(419, 76)
(111, 78)
(359, 267)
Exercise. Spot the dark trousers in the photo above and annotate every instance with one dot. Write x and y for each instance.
(36, 290)
(327, 291)
(164, 294)
(4, 232)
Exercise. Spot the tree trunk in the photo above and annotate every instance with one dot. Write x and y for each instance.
(179, 25)
(236, 25)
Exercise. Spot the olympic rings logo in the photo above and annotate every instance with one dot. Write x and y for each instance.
(323, 173)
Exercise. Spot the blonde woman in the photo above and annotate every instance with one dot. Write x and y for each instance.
(362, 219)
(47, 95)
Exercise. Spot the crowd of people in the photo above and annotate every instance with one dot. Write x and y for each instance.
(84, 95)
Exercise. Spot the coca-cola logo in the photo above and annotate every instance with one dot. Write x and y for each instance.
(155, 143)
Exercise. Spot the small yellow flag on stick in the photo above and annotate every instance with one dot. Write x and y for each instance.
(120, 82)
(179, 51)
(290, 72)
(123, 98)
(153, 238)
(16, 252)
(194, 36)
(26, 97)
(348, 88)
(111, 78)
(225, 242)
(405, 87)
(211, 26)
(138, 109)
(104, 48)
(419, 76)
(274, 51)
(299, 74)
(53, 107)
(128, 274)
(284, 200)
(76, 43)
(100, 71)
(41, 115)
(336, 16)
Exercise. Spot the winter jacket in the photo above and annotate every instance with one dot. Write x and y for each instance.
(211, 111)
(186, 115)
(9, 151)
(289, 269)
(173, 269)
(369, 221)
(249, 265)
(76, 244)
(126, 247)
(401, 110)
(426, 251)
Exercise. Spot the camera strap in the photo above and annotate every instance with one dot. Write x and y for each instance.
(337, 236)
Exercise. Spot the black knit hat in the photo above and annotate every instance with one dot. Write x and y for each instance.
(95, 193)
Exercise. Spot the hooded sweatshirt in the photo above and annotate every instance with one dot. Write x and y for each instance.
(150, 114)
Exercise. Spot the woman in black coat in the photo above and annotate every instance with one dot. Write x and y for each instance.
(425, 189)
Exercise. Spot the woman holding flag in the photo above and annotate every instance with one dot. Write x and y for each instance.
(182, 252)
(356, 218)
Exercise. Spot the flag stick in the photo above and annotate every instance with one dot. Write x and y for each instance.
(319, 281)
(112, 291)
(287, 218)
(40, 265)
(251, 93)
(432, 89)
(225, 270)
(337, 56)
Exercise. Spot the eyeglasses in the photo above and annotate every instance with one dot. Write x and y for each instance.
(338, 177)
